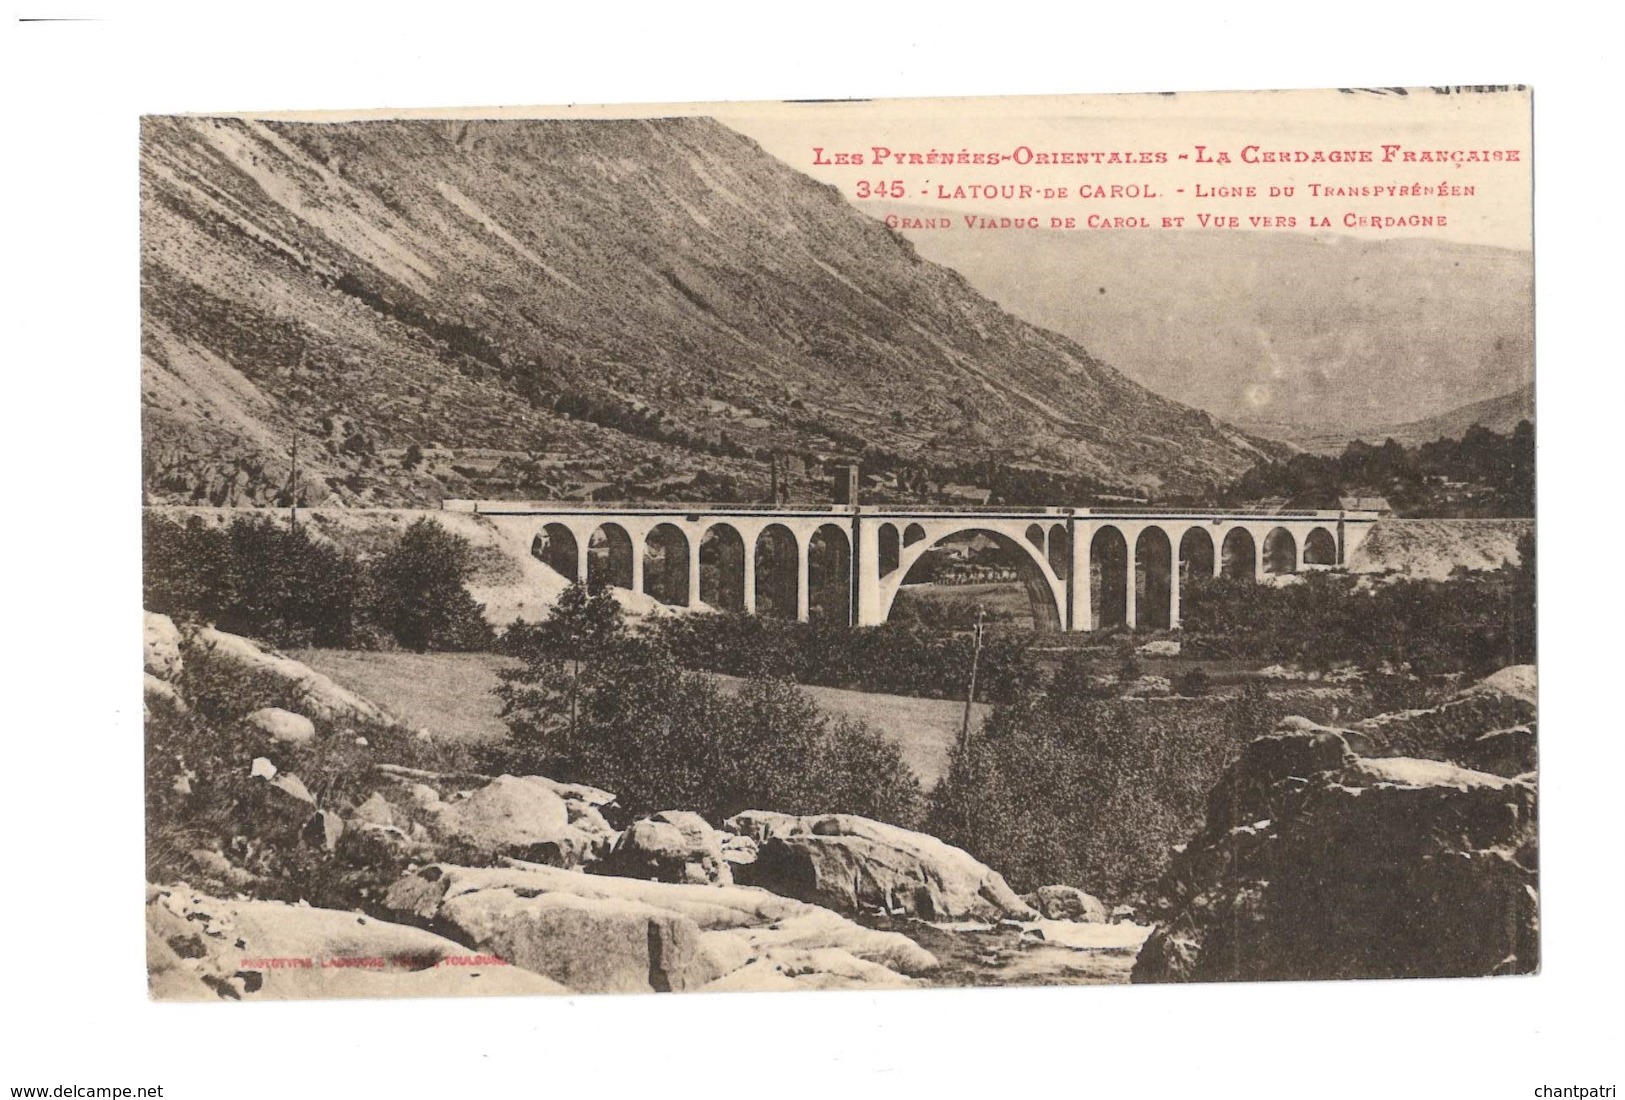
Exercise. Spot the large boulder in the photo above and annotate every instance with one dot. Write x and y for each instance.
(1452, 730)
(206, 948)
(598, 933)
(511, 815)
(855, 865)
(1316, 863)
(282, 725)
(527, 817)
(600, 945)
(161, 645)
(672, 846)
(314, 695)
(1067, 903)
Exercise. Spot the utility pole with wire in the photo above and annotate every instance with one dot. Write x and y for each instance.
(970, 694)
(966, 818)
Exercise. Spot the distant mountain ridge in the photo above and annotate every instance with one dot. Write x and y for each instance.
(1275, 331)
(1498, 414)
(581, 300)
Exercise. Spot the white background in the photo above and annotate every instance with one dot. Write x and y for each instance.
(72, 972)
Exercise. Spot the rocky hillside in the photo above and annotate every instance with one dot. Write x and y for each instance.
(1432, 549)
(448, 308)
(1308, 339)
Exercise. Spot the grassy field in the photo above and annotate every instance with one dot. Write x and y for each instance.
(924, 729)
(452, 695)
(1001, 601)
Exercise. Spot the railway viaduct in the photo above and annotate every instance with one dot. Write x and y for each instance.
(1083, 569)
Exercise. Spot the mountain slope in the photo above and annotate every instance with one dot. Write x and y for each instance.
(571, 300)
(1498, 414)
(1283, 333)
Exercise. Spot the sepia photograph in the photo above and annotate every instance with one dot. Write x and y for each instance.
(1046, 541)
(993, 551)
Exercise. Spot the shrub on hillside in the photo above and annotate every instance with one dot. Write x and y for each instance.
(419, 594)
(255, 576)
(263, 579)
(1064, 787)
(593, 704)
(1473, 623)
(1192, 683)
(894, 659)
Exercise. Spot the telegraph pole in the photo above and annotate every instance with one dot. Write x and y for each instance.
(970, 694)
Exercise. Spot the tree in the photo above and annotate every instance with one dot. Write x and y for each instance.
(1192, 683)
(541, 700)
(413, 457)
(255, 576)
(419, 594)
(595, 703)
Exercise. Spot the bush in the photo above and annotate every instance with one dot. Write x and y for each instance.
(895, 658)
(1192, 684)
(1063, 788)
(262, 579)
(255, 577)
(593, 704)
(1474, 623)
(419, 594)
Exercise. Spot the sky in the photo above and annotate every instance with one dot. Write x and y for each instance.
(1491, 203)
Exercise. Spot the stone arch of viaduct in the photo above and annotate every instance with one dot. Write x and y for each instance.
(1082, 569)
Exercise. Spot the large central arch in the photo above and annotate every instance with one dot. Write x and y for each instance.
(1032, 570)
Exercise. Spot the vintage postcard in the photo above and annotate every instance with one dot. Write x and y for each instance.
(830, 545)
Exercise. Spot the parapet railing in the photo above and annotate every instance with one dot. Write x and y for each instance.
(757, 508)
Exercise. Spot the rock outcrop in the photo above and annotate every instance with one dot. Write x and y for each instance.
(161, 646)
(529, 817)
(207, 948)
(597, 933)
(1317, 863)
(1489, 726)
(1067, 903)
(671, 846)
(854, 865)
(318, 696)
(160, 694)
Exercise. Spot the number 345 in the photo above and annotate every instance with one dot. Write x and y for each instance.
(880, 189)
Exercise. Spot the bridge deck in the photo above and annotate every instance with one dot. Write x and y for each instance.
(680, 508)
